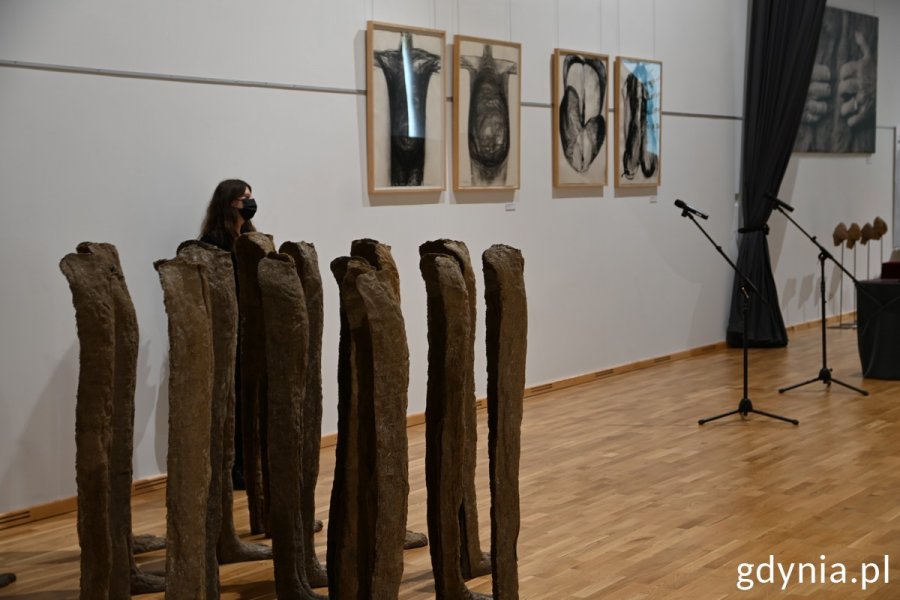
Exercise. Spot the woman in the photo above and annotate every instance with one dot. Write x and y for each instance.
(228, 214)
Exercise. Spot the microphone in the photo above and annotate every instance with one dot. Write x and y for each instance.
(780, 203)
(687, 209)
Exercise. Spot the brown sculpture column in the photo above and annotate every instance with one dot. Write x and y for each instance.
(473, 561)
(381, 360)
(220, 281)
(449, 357)
(342, 561)
(250, 248)
(89, 281)
(186, 295)
(126, 578)
(306, 261)
(507, 325)
(287, 339)
(379, 256)
(223, 544)
(369, 498)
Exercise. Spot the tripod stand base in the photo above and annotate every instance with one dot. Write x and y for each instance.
(825, 377)
(745, 407)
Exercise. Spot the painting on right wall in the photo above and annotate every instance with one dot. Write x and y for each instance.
(638, 122)
(839, 114)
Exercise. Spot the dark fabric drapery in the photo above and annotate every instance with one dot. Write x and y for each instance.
(784, 35)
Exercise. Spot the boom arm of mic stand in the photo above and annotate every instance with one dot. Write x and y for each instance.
(745, 282)
(824, 252)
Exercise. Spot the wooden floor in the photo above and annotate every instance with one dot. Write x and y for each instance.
(625, 496)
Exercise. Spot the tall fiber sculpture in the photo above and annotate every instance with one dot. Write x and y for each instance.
(379, 256)
(126, 578)
(369, 498)
(223, 543)
(474, 562)
(507, 334)
(89, 281)
(186, 294)
(449, 354)
(287, 338)
(249, 249)
(306, 261)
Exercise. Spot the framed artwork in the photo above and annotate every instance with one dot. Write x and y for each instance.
(487, 91)
(638, 122)
(839, 113)
(405, 104)
(580, 118)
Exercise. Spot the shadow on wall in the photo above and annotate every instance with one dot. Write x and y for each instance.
(807, 289)
(798, 296)
(150, 395)
(48, 435)
(50, 432)
(834, 285)
(161, 442)
(788, 293)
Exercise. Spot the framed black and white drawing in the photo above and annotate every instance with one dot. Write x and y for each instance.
(487, 90)
(638, 122)
(839, 114)
(405, 104)
(580, 118)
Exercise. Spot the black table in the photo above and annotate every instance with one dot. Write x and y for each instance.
(878, 328)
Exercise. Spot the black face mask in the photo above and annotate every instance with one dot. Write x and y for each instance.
(249, 209)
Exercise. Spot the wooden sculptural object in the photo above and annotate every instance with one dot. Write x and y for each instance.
(222, 543)
(123, 577)
(379, 256)
(249, 249)
(507, 334)
(343, 511)
(449, 354)
(473, 561)
(191, 365)
(866, 233)
(89, 281)
(839, 236)
(879, 228)
(853, 235)
(369, 499)
(126, 577)
(306, 261)
(105, 306)
(287, 341)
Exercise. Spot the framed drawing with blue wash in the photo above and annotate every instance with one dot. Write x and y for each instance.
(405, 105)
(638, 122)
(487, 88)
(580, 118)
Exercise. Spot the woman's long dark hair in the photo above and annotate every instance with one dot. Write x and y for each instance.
(221, 218)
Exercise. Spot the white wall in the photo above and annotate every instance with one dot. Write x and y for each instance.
(132, 160)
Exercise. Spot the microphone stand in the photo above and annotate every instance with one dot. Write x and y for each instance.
(825, 372)
(745, 406)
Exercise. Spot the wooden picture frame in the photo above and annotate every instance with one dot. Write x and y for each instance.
(638, 122)
(405, 129)
(581, 128)
(487, 114)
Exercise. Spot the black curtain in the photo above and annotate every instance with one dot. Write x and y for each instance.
(784, 35)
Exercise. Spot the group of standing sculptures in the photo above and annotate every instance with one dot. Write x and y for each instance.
(278, 316)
